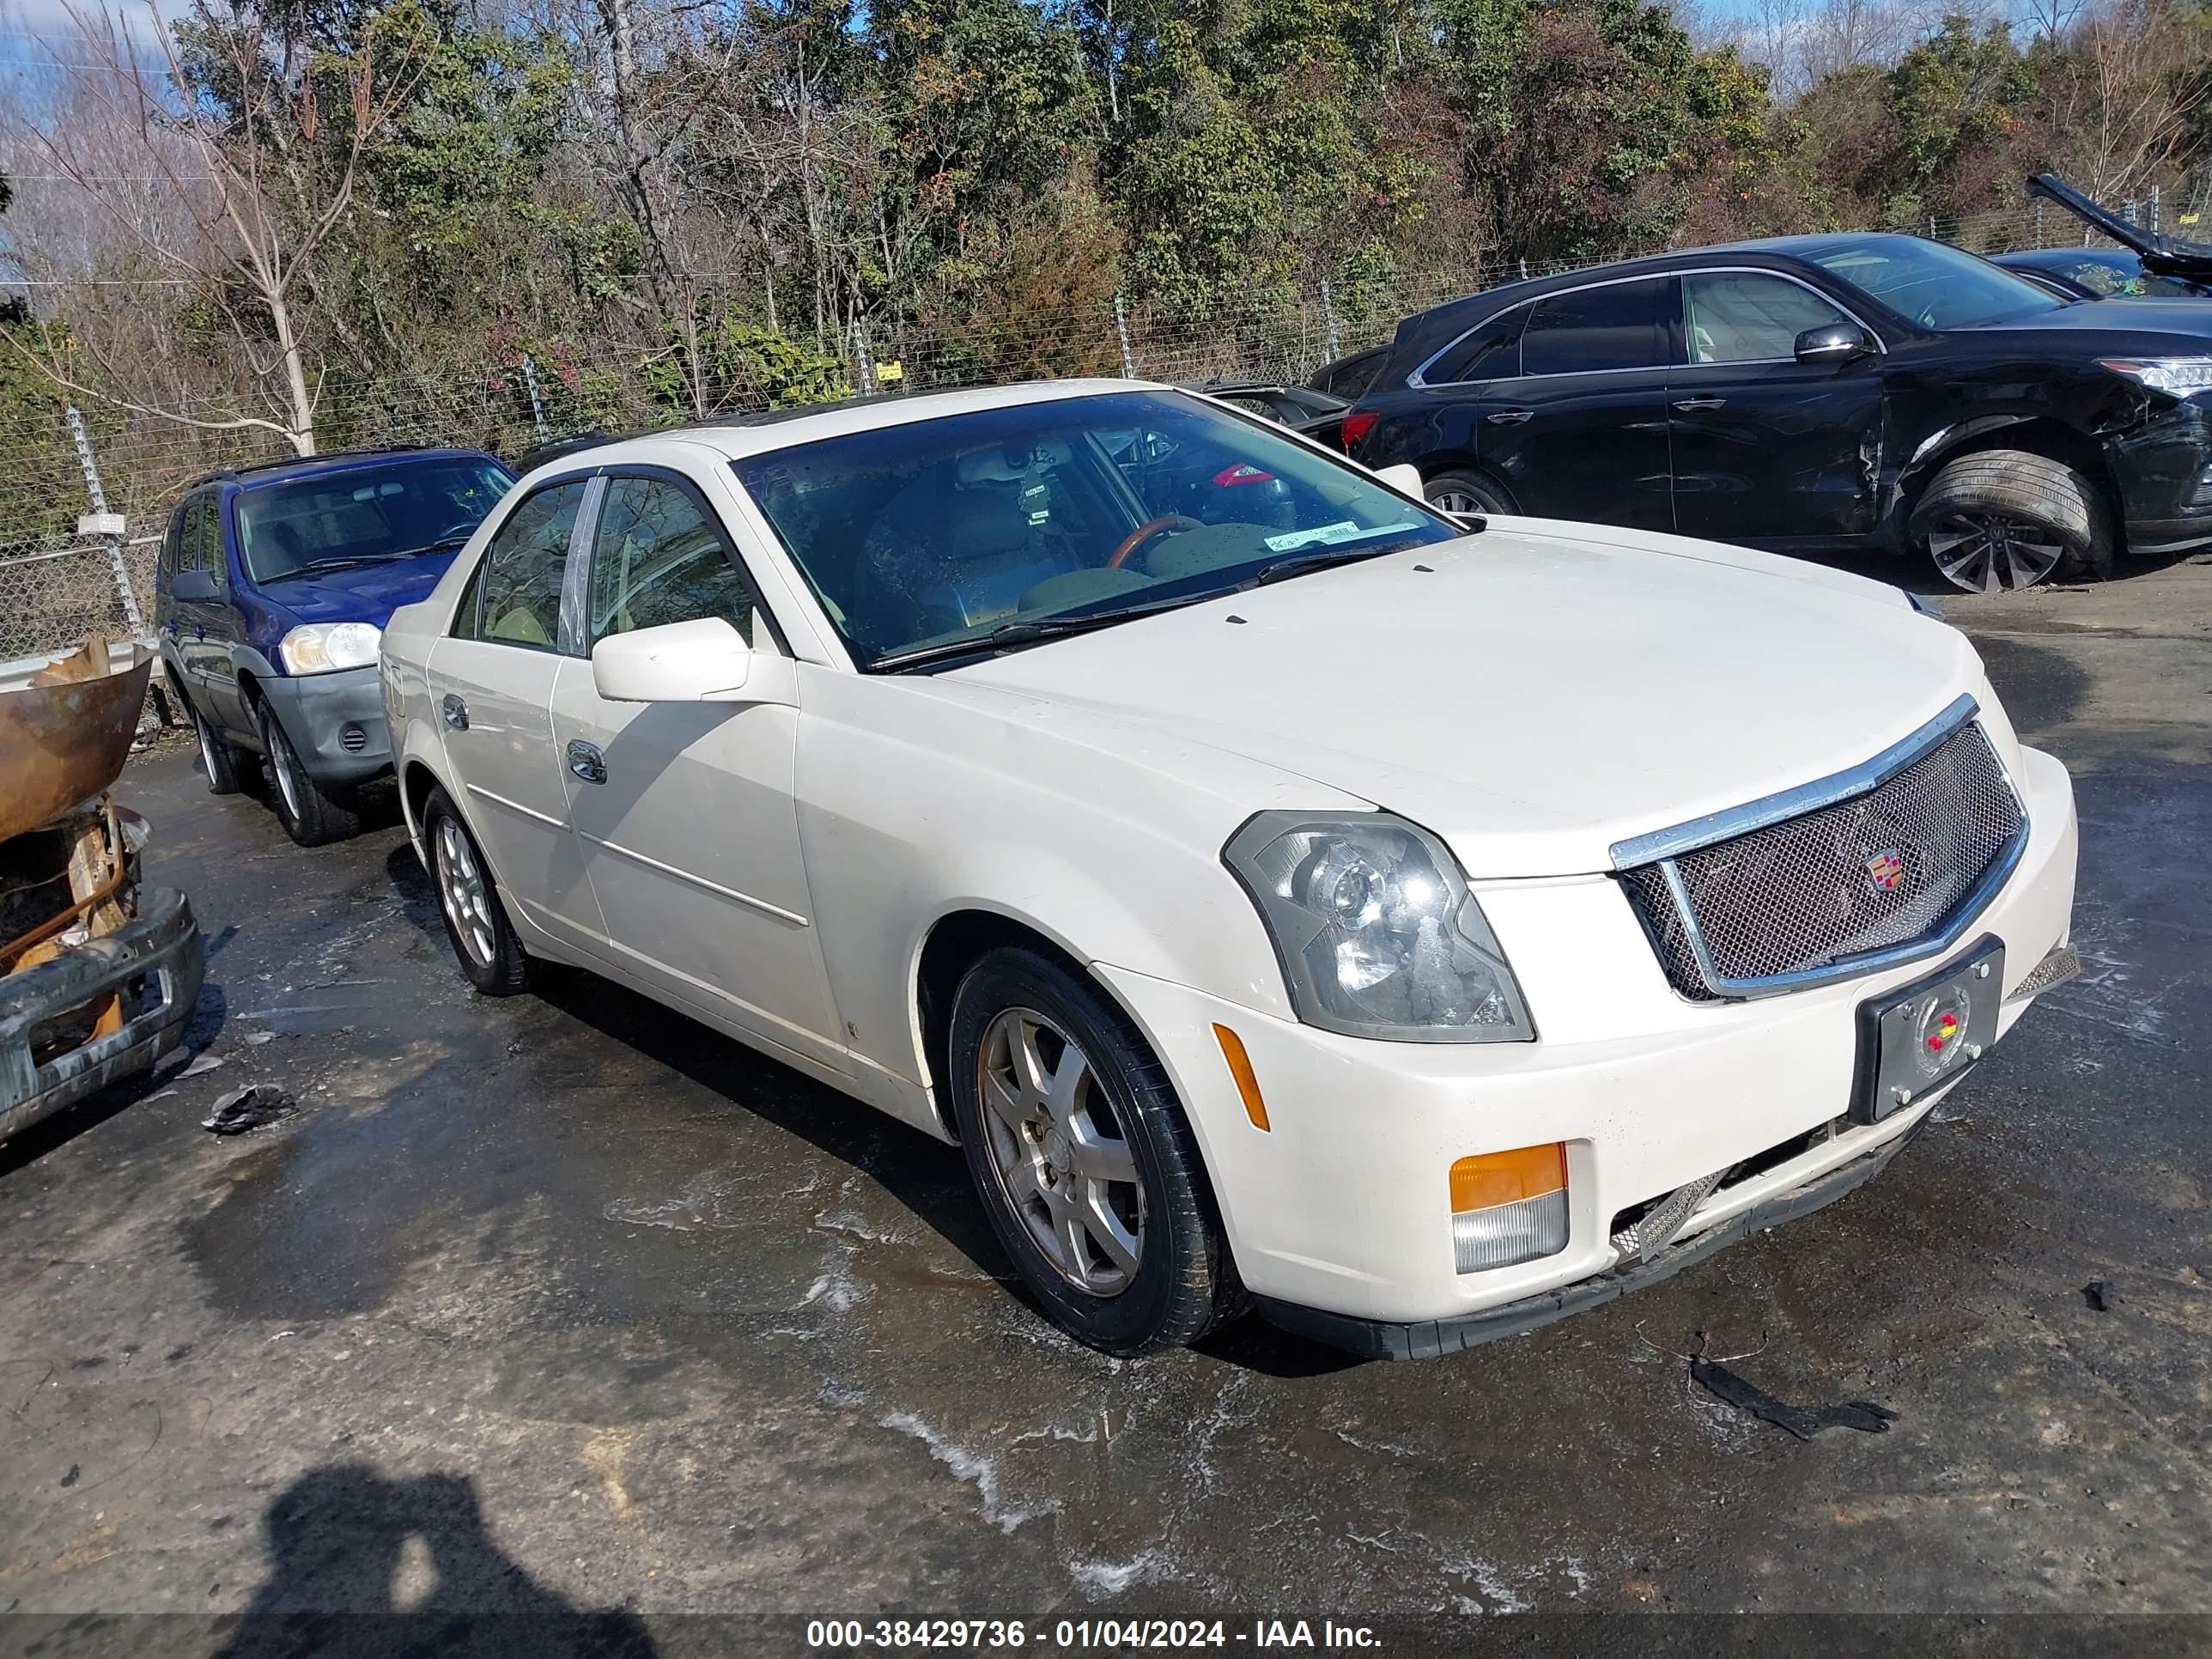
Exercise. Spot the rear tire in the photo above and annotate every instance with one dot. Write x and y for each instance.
(224, 766)
(468, 898)
(2003, 519)
(1083, 1160)
(314, 814)
(1465, 492)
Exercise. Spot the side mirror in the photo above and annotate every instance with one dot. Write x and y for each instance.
(195, 588)
(1833, 342)
(1405, 477)
(704, 660)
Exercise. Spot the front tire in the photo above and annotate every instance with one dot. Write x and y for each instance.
(1083, 1161)
(2003, 519)
(468, 898)
(314, 814)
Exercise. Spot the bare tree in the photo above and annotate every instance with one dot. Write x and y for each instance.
(247, 186)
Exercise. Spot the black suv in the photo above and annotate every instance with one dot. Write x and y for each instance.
(1814, 392)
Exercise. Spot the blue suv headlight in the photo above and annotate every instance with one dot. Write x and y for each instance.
(324, 648)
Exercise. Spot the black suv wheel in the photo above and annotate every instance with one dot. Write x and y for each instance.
(2002, 519)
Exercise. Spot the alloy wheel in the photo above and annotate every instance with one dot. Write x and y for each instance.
(1458, 501)
(280, 753)
(1057, 1147)
(1993, 552)
(463, 891)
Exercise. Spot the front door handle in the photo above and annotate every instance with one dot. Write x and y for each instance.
(1509, 417)
(586, 760)
(456, 711)
(1690, 405)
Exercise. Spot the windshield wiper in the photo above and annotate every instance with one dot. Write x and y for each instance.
(343, 563)
(1284, 569)
(438, 546)
(1030, 632)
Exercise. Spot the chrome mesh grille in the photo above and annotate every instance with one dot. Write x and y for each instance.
(1795, 895)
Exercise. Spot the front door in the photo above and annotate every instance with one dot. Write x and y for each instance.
(1767, 448)
(685, 810)
(491, 680)
(1580, 432)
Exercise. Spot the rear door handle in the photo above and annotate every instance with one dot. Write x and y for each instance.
(456, 711)
(1509, 417)
(586, 760)
(1689, 405)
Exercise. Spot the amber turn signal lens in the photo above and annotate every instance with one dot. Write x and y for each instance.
(1477, 1183)
(1509, 1207)
(1240, 1067)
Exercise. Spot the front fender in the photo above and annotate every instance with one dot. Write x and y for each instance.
(918, 802)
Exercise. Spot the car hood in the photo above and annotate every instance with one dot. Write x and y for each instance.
(2185, 325)
(366, 593)
(1532, 693)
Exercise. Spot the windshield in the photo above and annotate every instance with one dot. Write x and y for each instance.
(926, 534)
(364, 515)
(1937, 287)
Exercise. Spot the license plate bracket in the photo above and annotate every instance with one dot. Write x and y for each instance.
(1921, 1037)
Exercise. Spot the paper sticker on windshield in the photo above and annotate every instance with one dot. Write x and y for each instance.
(1329, 534)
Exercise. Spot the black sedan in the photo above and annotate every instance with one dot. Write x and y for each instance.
(2098, 273)
(1814, 392)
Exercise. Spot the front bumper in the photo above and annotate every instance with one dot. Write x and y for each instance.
(1341, 1205)
(156, 962)
(335, 721)
(2163, 467)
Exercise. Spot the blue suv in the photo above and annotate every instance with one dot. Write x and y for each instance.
(274, 586)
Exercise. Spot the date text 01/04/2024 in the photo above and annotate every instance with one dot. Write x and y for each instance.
(1084, 1634)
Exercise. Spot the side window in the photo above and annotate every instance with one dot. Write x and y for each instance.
(658, 557)
(209, 539)
(1492, 352)
(1613, 327)
(517, 581)
(172, 544)
(1747, 316)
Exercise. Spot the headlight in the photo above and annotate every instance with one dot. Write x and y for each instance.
(320, 647)
(1376, 931)
(2180, 375)
(1922, 603)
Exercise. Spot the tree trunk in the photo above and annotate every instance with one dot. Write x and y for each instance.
(295, 376)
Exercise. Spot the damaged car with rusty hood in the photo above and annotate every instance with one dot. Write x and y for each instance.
(1287, 895)
(98, 976)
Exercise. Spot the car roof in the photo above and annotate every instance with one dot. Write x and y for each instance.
(737, 436)
(292, 468)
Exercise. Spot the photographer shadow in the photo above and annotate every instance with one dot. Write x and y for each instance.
(337, 1541)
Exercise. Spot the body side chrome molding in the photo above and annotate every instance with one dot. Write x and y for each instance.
(482, 794)
(715, 888)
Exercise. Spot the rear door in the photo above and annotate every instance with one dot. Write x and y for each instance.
(491, 682)
(1581, 431)
(685, 810)
(1767, 448)
(203, 626)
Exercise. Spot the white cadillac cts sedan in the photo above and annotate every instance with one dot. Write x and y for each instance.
(1285, 895)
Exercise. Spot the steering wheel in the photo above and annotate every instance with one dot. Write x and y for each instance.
(1144, 532)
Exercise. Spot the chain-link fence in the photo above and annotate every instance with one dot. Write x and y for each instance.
(51, 596)
(50, 592)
